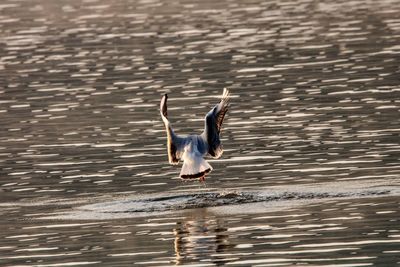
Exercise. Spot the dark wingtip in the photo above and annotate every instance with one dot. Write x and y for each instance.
(164, 105)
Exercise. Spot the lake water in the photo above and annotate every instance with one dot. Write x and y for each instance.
(311, 169)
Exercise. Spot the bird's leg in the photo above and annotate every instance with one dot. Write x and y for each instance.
(202, 179)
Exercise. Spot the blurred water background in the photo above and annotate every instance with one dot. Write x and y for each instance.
(312, 147)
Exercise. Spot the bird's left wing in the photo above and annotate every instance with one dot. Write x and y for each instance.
(213, 125)
(175, 143)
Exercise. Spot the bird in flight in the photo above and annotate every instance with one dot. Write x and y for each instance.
(193, 148)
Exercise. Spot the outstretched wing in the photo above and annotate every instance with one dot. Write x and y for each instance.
(213, 125)
(175, 143)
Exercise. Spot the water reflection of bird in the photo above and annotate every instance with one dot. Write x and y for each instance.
(200, 239)
(193, 148)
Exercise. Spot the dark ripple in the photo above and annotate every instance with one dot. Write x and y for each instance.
(215, 199)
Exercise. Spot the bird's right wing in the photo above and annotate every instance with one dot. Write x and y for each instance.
(175, 143)
(213, 125)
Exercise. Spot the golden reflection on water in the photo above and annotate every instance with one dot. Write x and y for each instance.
(197, 237)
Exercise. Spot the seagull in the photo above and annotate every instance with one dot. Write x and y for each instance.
(193, 148)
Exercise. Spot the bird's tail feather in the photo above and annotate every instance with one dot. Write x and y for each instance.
(195, 168)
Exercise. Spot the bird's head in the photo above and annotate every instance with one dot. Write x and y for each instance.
(188, 148)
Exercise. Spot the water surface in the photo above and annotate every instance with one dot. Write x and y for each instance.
(310, 172)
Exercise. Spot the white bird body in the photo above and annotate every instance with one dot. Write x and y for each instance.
(193, 148)
(193, 155)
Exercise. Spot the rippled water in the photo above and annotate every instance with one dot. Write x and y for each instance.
(311, 169)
